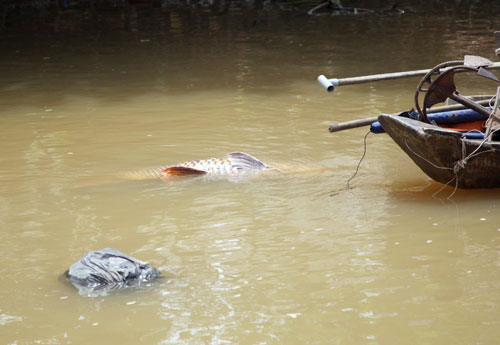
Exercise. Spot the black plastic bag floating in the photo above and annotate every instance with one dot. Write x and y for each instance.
(101, 271)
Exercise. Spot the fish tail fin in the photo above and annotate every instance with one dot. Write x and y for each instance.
(182, 171)
(243, 160)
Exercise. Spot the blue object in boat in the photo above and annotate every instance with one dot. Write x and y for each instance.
(473, 135)
(445, 117)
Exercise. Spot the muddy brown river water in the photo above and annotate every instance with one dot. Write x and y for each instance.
(265, 260)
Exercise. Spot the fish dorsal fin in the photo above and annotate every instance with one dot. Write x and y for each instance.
(179, 171)
(244, 161)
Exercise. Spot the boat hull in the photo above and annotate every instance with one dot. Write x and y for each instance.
(445, 155)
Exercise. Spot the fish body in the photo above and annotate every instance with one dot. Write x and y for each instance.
(234, 163)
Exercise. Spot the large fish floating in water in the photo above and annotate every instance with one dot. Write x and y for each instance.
(235, 163)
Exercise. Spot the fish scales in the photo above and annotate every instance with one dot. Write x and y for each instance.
(236, 162)
(212, 166)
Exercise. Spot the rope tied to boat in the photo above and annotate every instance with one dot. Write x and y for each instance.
(359, 163)
(348, 186)
(458, 165)
(493, 122)
(461, 163)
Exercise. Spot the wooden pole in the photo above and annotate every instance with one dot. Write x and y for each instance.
(337, 127)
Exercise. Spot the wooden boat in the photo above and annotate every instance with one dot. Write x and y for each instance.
(446, 155)
(451, 147)
(448, 146)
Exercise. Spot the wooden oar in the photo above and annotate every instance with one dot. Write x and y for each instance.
(336, 127)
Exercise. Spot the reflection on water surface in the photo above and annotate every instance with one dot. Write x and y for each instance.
(264, 260)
